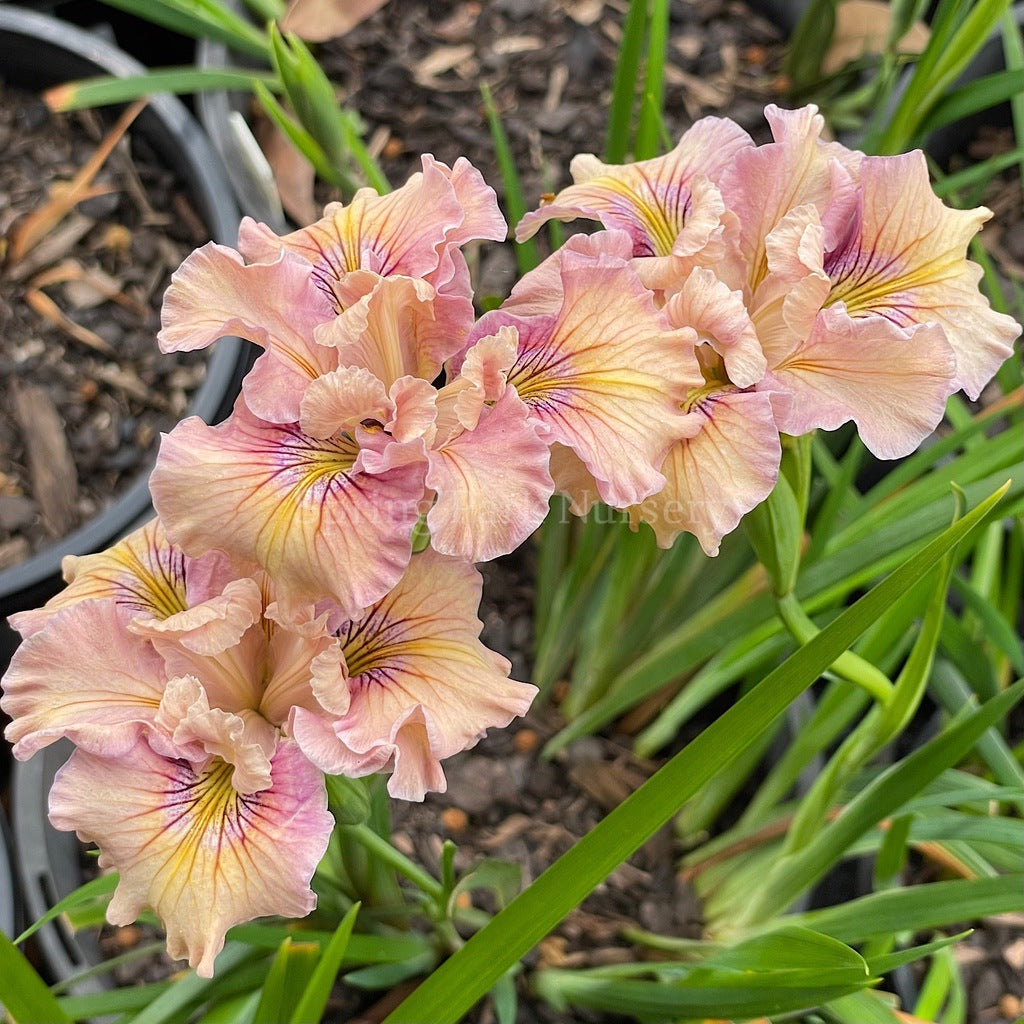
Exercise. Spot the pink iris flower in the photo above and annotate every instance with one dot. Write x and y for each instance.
(417, 684)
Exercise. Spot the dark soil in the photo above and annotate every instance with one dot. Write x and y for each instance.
(413, 71)
(84, 391)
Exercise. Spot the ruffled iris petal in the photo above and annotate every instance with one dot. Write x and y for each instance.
(190, 846)
(892, 381)
(295, 505)
(422, 685)
(605, 375)
(650, 200)
(492, 484)
(142, 572)
(83, 676)
(718, 475)
(904, 257)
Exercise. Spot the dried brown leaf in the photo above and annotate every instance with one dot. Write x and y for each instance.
(53, 247)
(33, 228)
(50, 463)
(862, 26)
(41, 303)
(87, 287)
(443, 59)
(319, 20)
(293, 173)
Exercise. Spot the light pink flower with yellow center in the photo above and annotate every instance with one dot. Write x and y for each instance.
(764, 183)
(276, 291)
(669, 206)
(419, 685)
(199, 601)
(598, 365)
(326, 504)
(182, 774)
(99, 674)
(859, 287)
(190, 844)
(729, 461)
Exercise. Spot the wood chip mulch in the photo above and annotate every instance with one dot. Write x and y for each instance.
(84, 391)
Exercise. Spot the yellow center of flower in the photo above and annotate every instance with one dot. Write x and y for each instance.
(712, 368)
(651, 214)
(205, 808)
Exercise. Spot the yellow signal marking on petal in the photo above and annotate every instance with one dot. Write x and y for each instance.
(215, 798)
(873, 293)
(319, 465)
(653, 216)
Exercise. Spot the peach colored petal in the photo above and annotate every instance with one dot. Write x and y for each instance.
(422, 685)
(405, 232)
(482, 218)
(341, 401)
(188, 845)
(492, 484)
(720, 319)
(651, 200)
(604, 376)
(83, 676)
(141, 572)
(795, 287)
(892, 381)
(763, 184)
(295, 505)
(274, 305)
(573, 479)
(540, 291)
(202, 734)
(904, 256)
(415, 409)
(393, 331)
(484, 374)
(212, 625)
(719, 474)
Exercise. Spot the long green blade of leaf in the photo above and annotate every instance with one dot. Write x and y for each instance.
(884, 796)
(290, 972)
(200, 21)
(527, 253)
(23, 992)
(627, 70)
(311, 1006)
(473, 969)
(649, 126)
(91, 890)
(917, 907)
(104, 89)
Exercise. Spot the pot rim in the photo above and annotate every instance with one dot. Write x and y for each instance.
(190, 155)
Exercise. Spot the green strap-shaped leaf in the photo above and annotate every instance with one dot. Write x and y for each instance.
(94, 889)
(452, 989)
(290, 972)
(310, 1007)
(917, 907)
(23, 992)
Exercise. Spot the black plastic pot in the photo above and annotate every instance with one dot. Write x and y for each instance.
(49, 867)
(10, 891)
(37, 51)
(151, 44)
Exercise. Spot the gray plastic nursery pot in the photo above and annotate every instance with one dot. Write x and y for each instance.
(224, 116)
(37, 51)
(49, 867)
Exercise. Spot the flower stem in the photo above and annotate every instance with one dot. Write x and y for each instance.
(848, 665)
(384, 851)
